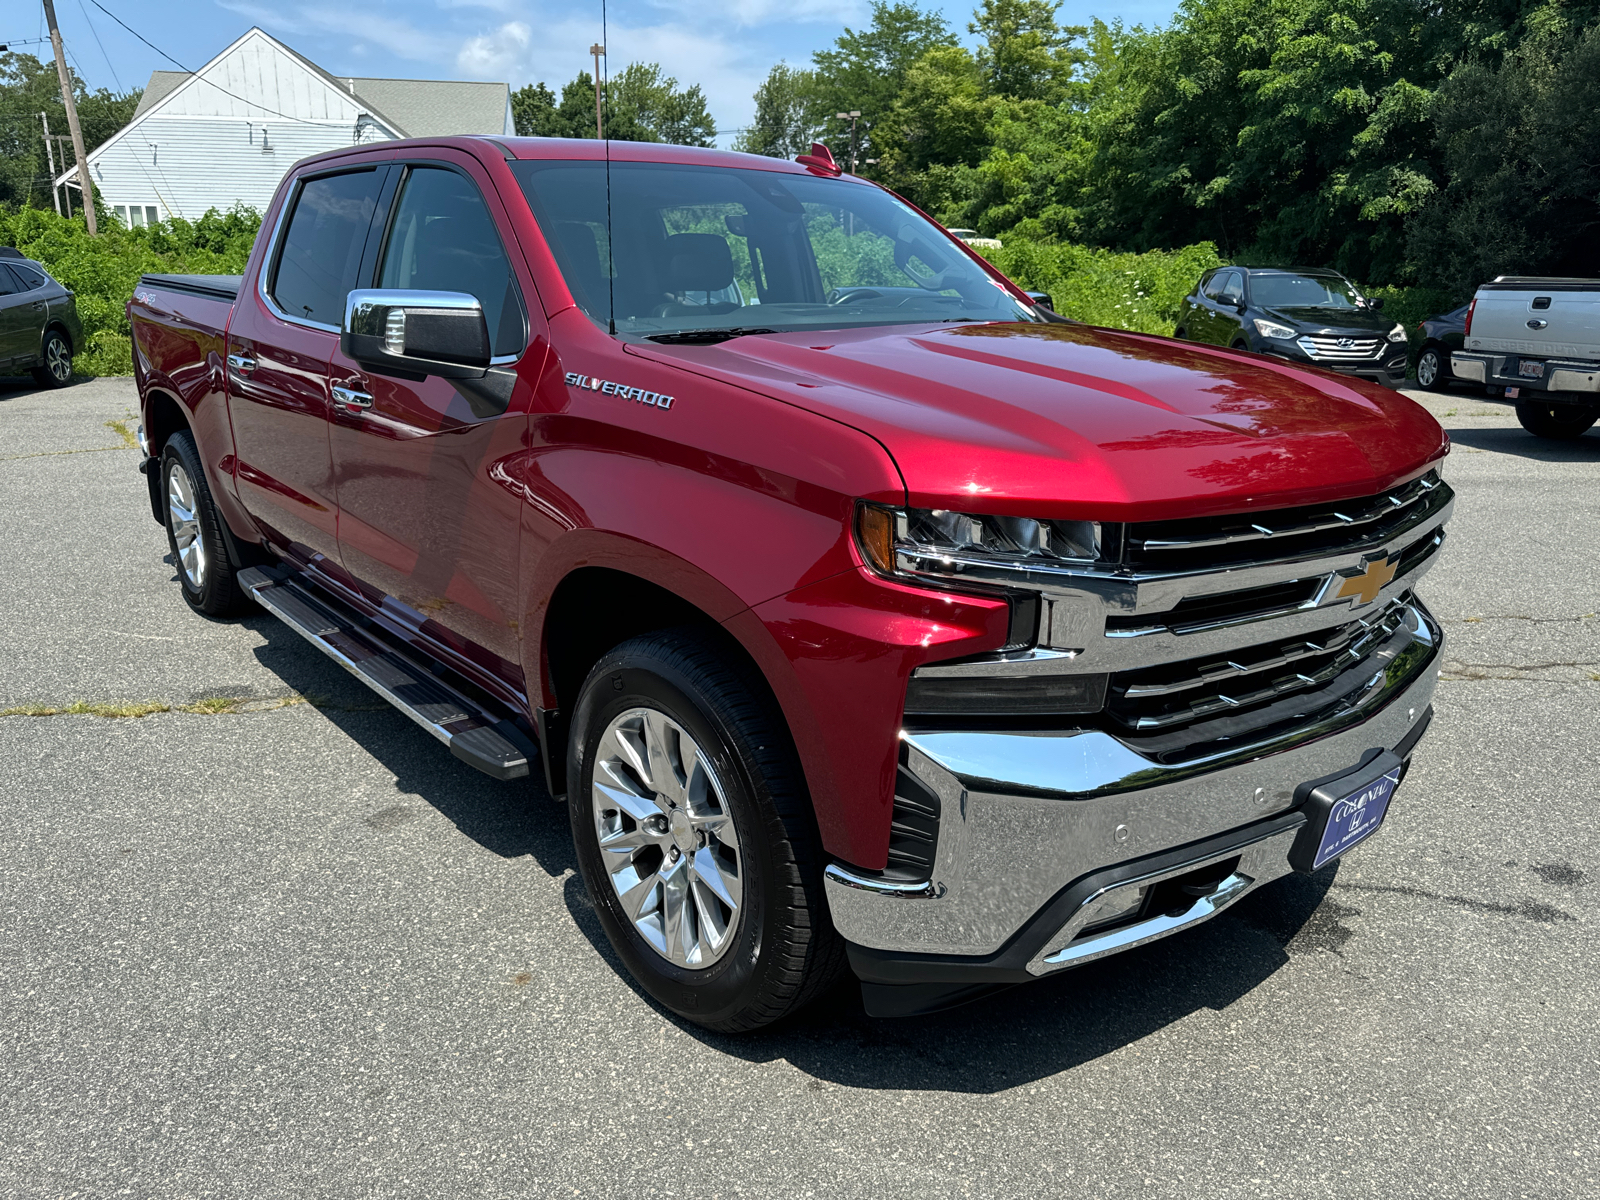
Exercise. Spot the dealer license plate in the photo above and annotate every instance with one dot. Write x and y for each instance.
(1356, 817)
(1530, 370)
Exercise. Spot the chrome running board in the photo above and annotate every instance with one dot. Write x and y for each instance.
(476, 736)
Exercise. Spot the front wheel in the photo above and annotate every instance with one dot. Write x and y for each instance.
(55, 367)
(693, 832)
(1562, 422)
(194, 532)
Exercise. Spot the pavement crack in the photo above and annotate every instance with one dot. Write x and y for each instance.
(1532, 910)
(129, 442)
(59, 453)
(206, 706)
(1519, 617)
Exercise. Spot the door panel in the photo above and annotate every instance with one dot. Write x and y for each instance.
(278, 363)
(16, 318)
(429, 517)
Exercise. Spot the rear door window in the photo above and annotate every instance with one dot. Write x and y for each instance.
(322, 246)
(1233, 288)
(10, 285)
(442, 239)
(29, 278)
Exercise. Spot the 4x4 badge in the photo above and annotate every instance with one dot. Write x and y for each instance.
(1375, 576)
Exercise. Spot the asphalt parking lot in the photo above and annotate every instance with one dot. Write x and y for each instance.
(272, 940)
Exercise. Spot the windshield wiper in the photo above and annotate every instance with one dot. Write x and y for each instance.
(701, 337)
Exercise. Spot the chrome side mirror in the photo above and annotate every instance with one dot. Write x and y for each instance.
(415, 334)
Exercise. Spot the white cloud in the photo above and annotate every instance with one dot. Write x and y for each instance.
(494, 55)
(747, 13)
(394, 34)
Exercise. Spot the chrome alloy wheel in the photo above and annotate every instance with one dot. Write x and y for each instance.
(666, 837)
(1428, 368)
(56, 359)
(184, 519)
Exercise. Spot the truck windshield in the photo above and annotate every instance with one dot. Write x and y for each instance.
(723, 248)
(1302, 291)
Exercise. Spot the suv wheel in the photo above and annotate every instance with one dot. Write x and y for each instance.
(1431, 370)
(55, 369)
(1562, 422)
(693, 832)
(194, 531)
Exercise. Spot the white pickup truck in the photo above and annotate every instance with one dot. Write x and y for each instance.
(1539, 340)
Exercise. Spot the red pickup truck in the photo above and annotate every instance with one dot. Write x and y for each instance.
(864, 614)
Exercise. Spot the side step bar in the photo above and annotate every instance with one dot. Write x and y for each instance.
(476, 736)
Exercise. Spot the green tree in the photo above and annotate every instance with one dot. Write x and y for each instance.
(641, 104)
(785, 123)
(866, 70)
(29, 87)
(1025, 54)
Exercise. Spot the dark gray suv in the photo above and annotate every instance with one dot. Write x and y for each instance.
(39, 325)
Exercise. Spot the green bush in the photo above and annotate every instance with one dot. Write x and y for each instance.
(1141, 292)
(102, 271)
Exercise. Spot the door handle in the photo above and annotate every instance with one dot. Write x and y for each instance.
(350, 399)
(242, 363)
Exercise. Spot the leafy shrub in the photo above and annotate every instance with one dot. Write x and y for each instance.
(102, 271)
(1141, 292)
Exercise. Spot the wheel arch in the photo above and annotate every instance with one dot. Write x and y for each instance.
(595, 607)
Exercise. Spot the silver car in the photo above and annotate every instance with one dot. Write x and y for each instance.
(39, 325)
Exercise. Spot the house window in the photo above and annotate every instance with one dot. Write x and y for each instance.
(137, 216)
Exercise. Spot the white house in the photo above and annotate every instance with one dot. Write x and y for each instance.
(225, 134)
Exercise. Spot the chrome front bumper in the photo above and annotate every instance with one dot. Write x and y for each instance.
(1026, 814)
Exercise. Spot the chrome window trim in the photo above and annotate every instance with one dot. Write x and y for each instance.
(269, 263)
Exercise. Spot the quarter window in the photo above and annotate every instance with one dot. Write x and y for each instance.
(322, 246)
(443, 240)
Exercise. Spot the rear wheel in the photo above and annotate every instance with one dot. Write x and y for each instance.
(1562, 422)
(1431, 373)
(55, 367)
(693, 832)
(194, 532)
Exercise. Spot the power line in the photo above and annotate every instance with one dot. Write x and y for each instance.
(187, 71)
(115, 78)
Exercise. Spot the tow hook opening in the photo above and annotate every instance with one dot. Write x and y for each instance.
(1176, 896)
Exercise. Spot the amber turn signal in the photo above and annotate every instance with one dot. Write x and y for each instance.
(875, 535)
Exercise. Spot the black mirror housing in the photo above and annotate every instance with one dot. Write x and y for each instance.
(416, 333)
(1043, 300)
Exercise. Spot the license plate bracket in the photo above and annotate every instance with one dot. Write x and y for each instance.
(1344, 810)
(1530, 369)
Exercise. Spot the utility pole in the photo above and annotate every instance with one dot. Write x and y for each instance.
(852, 117)
(599, 126)
(49, 153)
(72, 116)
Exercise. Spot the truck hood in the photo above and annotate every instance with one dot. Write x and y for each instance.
(1071, 421)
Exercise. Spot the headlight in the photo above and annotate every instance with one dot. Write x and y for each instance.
(1397, 334)
(950, 545)
(1271, 329)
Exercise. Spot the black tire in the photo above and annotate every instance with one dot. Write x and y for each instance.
(1239, 344)
(55, 361)
(1433, 370)
(212, 588)
(1181, 335)
(1560, 422)
(783, 950)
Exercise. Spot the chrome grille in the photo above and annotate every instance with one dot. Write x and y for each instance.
(1341, 349)
(1185, 692)
(1209, 542)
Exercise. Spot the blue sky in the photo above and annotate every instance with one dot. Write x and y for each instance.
(726, 46)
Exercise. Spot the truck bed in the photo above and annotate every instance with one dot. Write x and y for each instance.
(216, 287)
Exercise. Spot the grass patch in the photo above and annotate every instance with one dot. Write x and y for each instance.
(121, 429)
(206, 706)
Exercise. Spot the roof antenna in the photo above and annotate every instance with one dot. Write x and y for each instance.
(611, 258)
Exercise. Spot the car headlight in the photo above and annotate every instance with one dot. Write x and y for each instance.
(1397, 334)
(1271, 329)
(943, 544)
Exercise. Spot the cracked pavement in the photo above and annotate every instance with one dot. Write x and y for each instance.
(273, 948)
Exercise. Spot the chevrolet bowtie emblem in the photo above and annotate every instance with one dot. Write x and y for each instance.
(1375, 576)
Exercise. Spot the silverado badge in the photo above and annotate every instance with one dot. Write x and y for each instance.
(1375, 576)
(590, 384)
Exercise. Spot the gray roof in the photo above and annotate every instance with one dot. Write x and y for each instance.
(435, 107)
(160, 86)
(413, 107)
